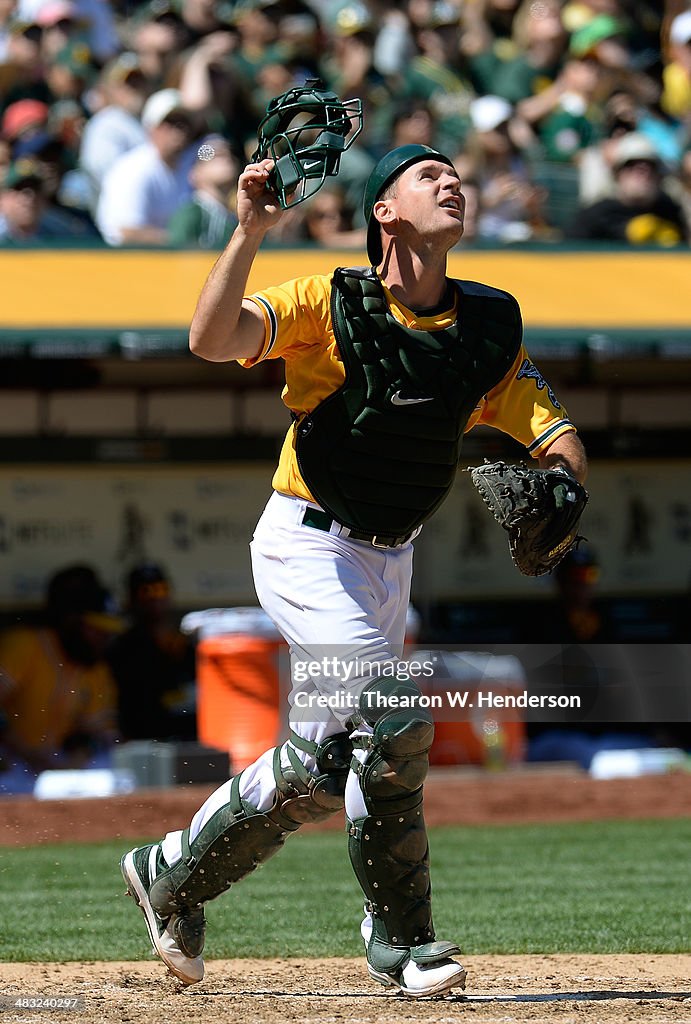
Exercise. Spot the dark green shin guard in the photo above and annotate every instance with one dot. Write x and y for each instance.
(390, 857)
(238, 837)
(388, 848)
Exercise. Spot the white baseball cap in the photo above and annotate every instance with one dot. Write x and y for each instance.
(680, 29)
(634, 146)
(159, 106)
(488, 112)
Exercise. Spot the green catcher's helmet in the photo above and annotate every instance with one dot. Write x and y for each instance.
(305, 131)
(387, 170)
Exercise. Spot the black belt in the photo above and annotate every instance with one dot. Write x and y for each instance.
(319, 520)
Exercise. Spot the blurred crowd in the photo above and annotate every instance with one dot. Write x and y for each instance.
(128, 121)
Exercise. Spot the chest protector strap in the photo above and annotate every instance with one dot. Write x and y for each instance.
(380, 454)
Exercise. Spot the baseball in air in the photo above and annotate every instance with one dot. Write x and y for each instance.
(206, 152)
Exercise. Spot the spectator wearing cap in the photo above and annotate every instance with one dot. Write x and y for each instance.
(22, 75)
(57, 694)
(676, 74)
(61, 26)
(510, 204)
(54, 162)
(70, 72)
(207, 221)
(21, 202)
(145, 187)
(116, 128)
(623, 113)
(96, 20)
(24, 118)
(595, 177)
(26, 215)
(153, 663)
(608, 39)
(640, 212)
(604, 38)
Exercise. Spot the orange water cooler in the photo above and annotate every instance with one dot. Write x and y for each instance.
(492, 738)
(238, 690)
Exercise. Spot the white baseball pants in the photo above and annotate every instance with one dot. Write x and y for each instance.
(329, 596)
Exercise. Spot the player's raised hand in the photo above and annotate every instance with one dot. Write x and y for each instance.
(258, 208)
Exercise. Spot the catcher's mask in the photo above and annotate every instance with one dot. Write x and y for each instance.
(305, 131)
(387, 170)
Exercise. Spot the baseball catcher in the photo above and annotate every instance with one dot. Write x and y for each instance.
(387, 367)
(540, 509)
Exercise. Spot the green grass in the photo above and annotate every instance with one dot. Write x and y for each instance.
(596, 887)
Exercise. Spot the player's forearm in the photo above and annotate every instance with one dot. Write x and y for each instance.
(568, 453)
(216, 332)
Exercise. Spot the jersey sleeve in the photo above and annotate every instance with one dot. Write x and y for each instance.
(524, 405)
(296, 315)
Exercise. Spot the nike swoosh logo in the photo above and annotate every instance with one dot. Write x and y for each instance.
(397, 400)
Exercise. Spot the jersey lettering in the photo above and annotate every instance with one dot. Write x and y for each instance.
(530, 370)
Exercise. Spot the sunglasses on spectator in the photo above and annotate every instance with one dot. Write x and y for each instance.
(181, 123)
(641, 162)
(34, 33)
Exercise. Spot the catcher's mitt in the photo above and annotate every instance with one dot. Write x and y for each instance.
(539, 508)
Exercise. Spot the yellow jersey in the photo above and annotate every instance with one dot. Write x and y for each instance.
(45, 697)
(676, 91)
(298, 329)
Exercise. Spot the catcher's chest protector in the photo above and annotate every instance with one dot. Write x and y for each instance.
(381, 453)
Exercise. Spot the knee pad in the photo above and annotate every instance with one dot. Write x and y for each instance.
(397, 758)
(238, 837)
(303, 796)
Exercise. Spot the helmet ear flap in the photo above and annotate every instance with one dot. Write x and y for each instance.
(305, 132)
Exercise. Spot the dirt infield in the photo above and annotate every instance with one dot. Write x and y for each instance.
(562, 989)
(452, 797)
(555, 989)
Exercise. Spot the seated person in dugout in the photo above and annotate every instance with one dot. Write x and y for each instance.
(57, 697)
(386, 367)
(153, 663)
